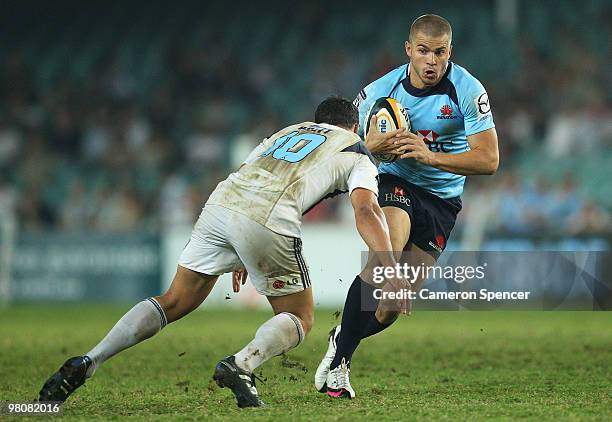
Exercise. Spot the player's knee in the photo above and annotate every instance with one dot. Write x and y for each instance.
(173, 306)
(307, 319)
(168, 301)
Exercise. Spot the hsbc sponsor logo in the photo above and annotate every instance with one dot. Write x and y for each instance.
(391, 197)
(398, 195)
(483, 106)
(428, 135)
(446, 113)
(431, 140)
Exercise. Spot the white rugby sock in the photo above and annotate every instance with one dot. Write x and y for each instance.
(277, 335)
(144, 320)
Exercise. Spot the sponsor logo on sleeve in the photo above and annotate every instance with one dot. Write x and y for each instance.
(483, 106)
(360, 98)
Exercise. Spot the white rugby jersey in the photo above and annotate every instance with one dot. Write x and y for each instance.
(292, 171)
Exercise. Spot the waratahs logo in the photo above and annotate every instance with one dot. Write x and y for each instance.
(440, 241)
(446, 112)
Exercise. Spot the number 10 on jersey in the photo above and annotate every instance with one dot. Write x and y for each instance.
(294, 147)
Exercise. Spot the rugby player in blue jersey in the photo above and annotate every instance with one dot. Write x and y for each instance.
(453, 135)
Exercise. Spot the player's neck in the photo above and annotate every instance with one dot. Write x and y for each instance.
(417, 83)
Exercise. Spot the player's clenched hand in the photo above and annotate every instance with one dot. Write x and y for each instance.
(239, 277)
(411, 146)
(394, 296)
(378, 142)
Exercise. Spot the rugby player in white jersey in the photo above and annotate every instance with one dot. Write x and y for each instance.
(252, 221)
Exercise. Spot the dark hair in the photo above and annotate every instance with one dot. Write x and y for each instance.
(431, 25)
(337, 111)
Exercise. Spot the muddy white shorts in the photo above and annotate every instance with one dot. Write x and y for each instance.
(223, 240)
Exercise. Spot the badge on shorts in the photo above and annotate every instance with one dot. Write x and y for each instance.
(284, 283)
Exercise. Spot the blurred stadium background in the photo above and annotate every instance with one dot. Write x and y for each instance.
(117, 119)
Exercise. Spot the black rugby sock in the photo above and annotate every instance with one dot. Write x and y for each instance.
(374, 327)
(354, 320)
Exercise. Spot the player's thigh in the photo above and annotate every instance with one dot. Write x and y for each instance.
(274, 262)
(399, 224)
(300, 304)
(417, 257)
(433, 220)
(209, 250)
(276, 267)
(395, 199)
(187, 291)
(207, 255)
(279, 272)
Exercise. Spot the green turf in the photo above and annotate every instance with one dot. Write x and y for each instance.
(433, 365)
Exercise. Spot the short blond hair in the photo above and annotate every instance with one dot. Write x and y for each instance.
(431, 25)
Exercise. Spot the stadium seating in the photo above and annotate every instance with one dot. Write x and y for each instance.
(176, 64)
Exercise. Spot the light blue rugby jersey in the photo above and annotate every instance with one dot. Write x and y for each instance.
(443, 115)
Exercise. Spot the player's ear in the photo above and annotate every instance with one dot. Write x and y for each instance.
(355, 127)
(450, 50)
(407, 48)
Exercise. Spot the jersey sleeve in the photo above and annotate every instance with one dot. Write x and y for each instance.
(381, 87)
(363, 175)
(259, 149)
(476, 108)
(364, 101)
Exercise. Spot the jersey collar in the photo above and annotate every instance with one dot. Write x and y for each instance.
(439, 88)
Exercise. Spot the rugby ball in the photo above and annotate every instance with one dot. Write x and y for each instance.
(391, 116)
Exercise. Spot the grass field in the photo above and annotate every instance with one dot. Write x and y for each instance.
(431, 366)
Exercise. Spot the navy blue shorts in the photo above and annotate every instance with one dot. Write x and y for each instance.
(431, 218)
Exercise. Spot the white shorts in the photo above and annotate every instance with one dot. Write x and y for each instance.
(223, 240)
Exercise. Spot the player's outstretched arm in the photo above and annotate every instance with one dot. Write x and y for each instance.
(371, 225)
